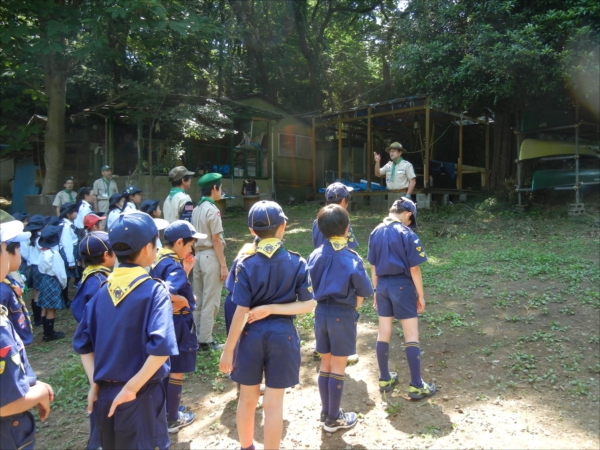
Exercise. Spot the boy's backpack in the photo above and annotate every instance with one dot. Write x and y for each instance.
(249, 187)
(186, 212)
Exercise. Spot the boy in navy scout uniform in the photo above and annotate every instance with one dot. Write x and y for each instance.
(11, 291)
(19, 388)
(98, 259)
(128, 369)
(395, 253)
(173, 265)
(210, 268)
(336, 193)
(271, 286)
(340, 282)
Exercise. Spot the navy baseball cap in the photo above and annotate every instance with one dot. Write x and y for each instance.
(94, 244)
(67, 208)
(11, 230)
(406, 204)
(50, 236)
(53, 220)
(131, 190)
(36, 222)
(149, 205)
(20, 216)
(182, 229)
(135, 229)
(265, 215)
(114, 199)
(337, 191)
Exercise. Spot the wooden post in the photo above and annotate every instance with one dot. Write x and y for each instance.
(313, 149)
(369, 150)
(109, 156)
(459, 181)
(486, 175)
(426, 162)
(340, 151)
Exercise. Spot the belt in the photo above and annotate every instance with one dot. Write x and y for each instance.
(335, 303)
(178, 313)
(398, 190)
(203, 249)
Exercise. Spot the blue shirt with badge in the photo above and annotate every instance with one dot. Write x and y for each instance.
(338, 274)
(129, 319)
(318, 238)
(272, 275)
(92, 279)
(394, 249)
(169, 269)
(17, 311)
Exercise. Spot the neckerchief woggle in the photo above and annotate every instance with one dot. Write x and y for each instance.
(123, 280)
(394, 164)
(89, 270)
(338, 243)
(269, 247)
(174, 191)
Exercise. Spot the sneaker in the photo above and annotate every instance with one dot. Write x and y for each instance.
(344, 420)
(185, 419)
(323, 417)
(427, 390)
(317, 356)
(56, 335)
(388, 385)
(352, 359)
(210, 347)
(182, 408)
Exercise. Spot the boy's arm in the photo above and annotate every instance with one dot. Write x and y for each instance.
(374, 280)
(39, 394)
(284, 309)
(179, 302)
(87, 361)
(131, 388)
(226, 363)
(415, 273)
(359, 301)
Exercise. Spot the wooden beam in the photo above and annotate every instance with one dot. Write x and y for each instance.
(313, 148)
(340, 152)
(462, 116)
(381, 114)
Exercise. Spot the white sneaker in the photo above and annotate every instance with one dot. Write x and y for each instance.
(185, 419)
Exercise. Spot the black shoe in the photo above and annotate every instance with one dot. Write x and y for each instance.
(56, 335)
(210, 347)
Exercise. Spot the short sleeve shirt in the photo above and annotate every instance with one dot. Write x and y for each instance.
(17, 313)
(319, 239)
(338, 276)
(172, 206)
(394, 249)
(176, 280)
(206, 219)
(63, 197)
(404, 173)
(104, 190)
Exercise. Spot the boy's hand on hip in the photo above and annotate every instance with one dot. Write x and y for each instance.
(126, 395)
(260, 312)
(420, 305)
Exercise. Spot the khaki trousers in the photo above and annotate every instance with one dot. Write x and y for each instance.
(393, 196)
(207, 286)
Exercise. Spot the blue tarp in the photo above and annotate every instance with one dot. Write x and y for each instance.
(362, 186)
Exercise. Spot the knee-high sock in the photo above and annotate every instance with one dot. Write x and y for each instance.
(413, 356)
(173, 398)
(336, 389)
(383, 356)
(37, 311)
(323, 381)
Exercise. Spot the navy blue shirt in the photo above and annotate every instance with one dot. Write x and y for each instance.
(319, 239)
(87, 288)
(123, 336)
(17, 312)
(338, 277)
(394, 249)
(173, 274)
(282, 278)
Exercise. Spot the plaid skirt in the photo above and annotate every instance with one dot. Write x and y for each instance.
(50, 293)
(71, 273)
(35, 276)
(23, 270)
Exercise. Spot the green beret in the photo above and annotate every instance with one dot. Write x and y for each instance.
(210, 179)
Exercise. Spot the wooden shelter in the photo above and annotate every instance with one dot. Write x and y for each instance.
(378, 124)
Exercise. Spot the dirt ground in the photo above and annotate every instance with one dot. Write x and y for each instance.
(483, 366)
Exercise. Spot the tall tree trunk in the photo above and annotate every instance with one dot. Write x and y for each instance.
(502, 165)
(55, 86)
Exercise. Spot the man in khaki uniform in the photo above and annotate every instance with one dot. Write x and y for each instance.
(181, 180)
(65, 196)
(104, 187)
(210, 269)
(400, 177)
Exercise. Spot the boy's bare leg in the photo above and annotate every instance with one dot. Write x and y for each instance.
(245, 414)
(273, 407)
(410, 327)
(385, 329)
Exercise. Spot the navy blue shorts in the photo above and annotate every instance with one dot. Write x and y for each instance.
(18, 431)
(140, 423)
(335, 329)
(270, 346)
(397, 297)
(187, 342)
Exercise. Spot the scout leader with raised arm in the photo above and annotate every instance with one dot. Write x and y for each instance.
(400, 177)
